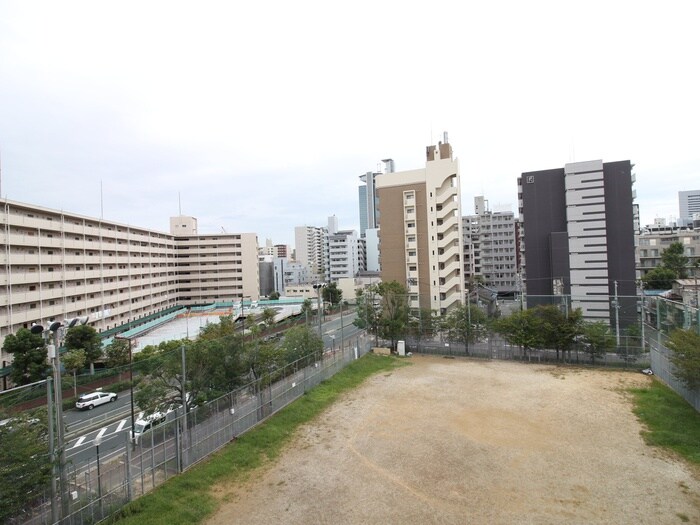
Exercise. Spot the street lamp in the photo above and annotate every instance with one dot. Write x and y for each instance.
(318, 287)
(53, 333)
(131, 388)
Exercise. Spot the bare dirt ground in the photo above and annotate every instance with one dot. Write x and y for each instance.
(456, 441)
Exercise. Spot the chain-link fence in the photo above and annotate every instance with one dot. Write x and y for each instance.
(109, 475)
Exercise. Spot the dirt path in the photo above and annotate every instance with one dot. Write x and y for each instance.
(450, 441)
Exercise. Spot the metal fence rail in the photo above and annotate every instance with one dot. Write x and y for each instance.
(101, 487)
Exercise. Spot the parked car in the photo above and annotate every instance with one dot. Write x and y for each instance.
(149, 422)
(93, 399)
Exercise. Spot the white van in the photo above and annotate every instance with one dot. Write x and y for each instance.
(151, 421)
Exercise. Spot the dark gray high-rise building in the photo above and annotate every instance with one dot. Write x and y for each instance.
(578, 238)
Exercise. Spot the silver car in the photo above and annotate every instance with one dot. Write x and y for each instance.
(93, 399)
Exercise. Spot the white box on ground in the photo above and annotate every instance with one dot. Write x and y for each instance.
(401, 347)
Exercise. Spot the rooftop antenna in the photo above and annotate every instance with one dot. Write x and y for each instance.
(179, 204)
(102, 204)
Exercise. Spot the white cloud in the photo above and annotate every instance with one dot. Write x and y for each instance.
(262, 115)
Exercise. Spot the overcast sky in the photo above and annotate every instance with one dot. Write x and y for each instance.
(262, 115)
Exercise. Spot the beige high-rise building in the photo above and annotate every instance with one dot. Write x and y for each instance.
(420, 230)
(57, 265)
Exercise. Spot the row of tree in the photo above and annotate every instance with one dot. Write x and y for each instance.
(383, 309)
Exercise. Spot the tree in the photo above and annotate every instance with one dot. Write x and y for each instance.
(85, 337)
(74, 360)
(674, 259)
(332, 294)
(465, 324)
(25, 467)
(557, 329)
(306, 310)
(659, 278)
(521, 328)
(117, 353)
(213, 366)
(274, 296)
(597, 339)
(393, 308)
(303, 344)
(29, 356)
(268, 317)
(367, 317)
(422, 323)
(685, 345)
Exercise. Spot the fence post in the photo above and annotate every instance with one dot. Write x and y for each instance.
(128, 467)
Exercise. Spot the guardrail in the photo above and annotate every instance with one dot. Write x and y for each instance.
(80, 427)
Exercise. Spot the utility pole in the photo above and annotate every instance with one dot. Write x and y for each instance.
(617, 318)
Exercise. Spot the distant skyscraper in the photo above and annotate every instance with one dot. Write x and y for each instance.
(369, 206)
(689, 204)
(578, 238)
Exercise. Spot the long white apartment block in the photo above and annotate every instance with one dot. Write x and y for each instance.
(56, 265)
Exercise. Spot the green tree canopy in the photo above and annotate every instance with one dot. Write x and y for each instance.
(332, 294)
(274, 296)
(558, 330)
(659, 278)
(25, 466)
(85, 337)
(117, 353)
(29, 356)
(73, 361)
(685, 345)
(268, 318)
(465, 324)
(675, 260)
(393, 308)
(597, 339)
(300, 342)
(521, 328)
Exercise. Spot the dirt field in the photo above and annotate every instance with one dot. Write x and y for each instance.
(451, 441)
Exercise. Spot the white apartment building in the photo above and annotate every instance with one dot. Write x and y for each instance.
(58, 265)
(421, 230)
(310, 248)
(343, 255)
(490, 248)
(653, 240)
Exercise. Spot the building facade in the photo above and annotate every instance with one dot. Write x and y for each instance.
(490, 250)
(57, 265)
(689, 207)
(420, 230)
(343, 255)
(367, 193)
(577, 238)
(654, 239)
(310, 249)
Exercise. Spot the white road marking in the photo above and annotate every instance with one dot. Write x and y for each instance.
(79, 442)
(121, 425)
(101, 433)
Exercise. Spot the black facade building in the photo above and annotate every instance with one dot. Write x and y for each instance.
(578, 242)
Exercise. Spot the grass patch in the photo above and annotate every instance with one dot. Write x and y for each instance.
(670, 421)
(188, 498)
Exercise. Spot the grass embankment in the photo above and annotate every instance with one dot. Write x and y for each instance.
(188, 498)
(671, 422)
